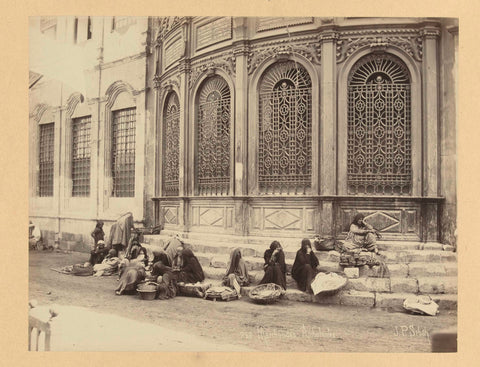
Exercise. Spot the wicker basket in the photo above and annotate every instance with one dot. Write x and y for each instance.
(147, 290)
(266, 293)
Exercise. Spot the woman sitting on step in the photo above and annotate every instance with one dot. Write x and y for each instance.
(362, 236)
(275, 267)
(305, 266)
(190, 270)
(237, 273)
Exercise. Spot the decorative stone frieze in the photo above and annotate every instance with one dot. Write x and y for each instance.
(409, 40)
(225, 62)
(308, 47)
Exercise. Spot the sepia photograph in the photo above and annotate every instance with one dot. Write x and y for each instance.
(242, 184)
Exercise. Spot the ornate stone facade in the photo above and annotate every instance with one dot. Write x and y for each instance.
(276, 126)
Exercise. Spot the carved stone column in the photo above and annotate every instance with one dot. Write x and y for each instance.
(430, 108)
(240, 50)
(184, 188)
(328, 115)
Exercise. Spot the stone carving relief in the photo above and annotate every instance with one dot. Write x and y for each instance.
(308, 47)
(409, 40)
(166, 24)
(38, 111)
(225, 62)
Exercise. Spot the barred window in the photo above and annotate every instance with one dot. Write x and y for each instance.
(45, 177)
(123, 152)
(285, 129)
(81, 156)
(171, 138)
(213, 137)
(379, 127)
(122, 22)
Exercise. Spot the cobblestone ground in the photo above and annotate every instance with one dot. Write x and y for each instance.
(285, 326)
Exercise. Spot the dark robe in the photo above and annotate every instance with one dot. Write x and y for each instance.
(98, 234)
(98, 254)
(191, 270)
(304, 269)
(275, 269)
(167, 288)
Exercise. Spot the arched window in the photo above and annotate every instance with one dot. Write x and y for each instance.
(213, 138)
(379, 127)
(171, 138)
(46, 159)
(285, 129)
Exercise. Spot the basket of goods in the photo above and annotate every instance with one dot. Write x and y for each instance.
(328, 283)
(192, 289)
(266, 293)
(147, 290)
(221, 293)
(82, 269)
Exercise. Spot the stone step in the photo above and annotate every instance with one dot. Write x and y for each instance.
(364, 299)
(292, 241)
(391, 257)
(423, 285)
(428, 285)
(330, 262)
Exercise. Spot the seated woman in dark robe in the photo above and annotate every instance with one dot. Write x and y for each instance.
(304, 266)
(237, 273)
(190, 270)
(167, 284)
(275, 267)
(131, 276)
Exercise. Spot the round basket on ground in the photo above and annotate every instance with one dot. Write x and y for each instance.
(266, 293)
(147, 290)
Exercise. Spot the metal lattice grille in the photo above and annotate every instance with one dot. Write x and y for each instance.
(379, 128)
(45, 176)
(285, 130)
(213, 138)
(123, 152)
(81, 156)
(171, 138)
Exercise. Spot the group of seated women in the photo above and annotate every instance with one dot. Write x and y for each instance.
(175, 264)
(304, 267)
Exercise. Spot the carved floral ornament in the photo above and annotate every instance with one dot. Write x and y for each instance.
(166, 24)
(310, 48)
(38, 111)
(167, 86)
(409, 40)
(225, 62)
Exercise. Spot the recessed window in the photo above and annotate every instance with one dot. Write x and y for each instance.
(285, 130)
(379, 127)
(171, 139)
(81, 156)
(213, 138)
(123, 152)
(89, 28)
(46, 160)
